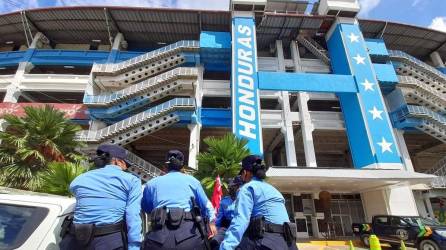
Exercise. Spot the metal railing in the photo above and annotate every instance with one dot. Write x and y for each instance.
(111, 68)
(439, 169)
(122, 126)
(431, 71)
(141, 87)
(315, 48)
(142, 168)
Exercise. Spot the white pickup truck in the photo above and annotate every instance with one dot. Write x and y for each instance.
(31, 220)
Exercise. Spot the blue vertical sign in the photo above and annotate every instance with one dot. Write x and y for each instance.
(369, 130)
(245, 93)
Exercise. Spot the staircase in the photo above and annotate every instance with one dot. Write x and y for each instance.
(140, 96)
(118, 75)
(315, 48)
(423, 119)
(439, 169)
(422, 94)
(408, 65)
(111, 105)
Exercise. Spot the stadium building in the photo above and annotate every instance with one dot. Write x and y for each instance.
(334, 103)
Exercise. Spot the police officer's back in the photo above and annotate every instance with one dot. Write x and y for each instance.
(167, 200)
(107, 211)
(260, 219)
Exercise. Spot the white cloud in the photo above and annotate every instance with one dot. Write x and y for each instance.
(367, 6)
(438, 23)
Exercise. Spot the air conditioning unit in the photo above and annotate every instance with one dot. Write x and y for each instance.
(342, 8)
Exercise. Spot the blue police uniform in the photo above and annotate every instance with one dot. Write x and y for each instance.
(225, 212)
(107, 196)
(256, 199)
(173, 191)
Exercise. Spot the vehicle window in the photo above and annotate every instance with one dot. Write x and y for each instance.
(17, 223)
(396, 221)
(415, 221)
(382, 220)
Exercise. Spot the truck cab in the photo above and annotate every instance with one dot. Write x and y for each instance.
(31, 220)
(422, 233)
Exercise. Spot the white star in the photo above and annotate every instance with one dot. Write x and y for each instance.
(376, 113)
(368, 85)
(385, 146)
(353, 38)
(359, 59)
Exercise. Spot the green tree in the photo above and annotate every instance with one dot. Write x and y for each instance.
(31, 142)
(222, 158)
(57, 179)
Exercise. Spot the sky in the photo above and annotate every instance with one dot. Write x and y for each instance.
(424, 13)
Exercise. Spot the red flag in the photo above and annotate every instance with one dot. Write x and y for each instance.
(217, 194)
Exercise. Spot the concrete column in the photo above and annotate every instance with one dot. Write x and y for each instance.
(436, 59)
(403, 150)
(39, 41)
(427, 202)
(306, 123)
(287, 127)
(13, 90)
(392, 200)
(194, 144)
(195, 128)
(118, 42)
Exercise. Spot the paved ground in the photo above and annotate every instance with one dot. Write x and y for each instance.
(319, 246)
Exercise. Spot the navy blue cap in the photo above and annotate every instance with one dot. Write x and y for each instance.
(236, 181)
(249, 161)
(114, 151)
(177, 154)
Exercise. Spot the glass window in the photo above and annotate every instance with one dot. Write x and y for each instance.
(382, 220)
(396, 221)
(17, 223)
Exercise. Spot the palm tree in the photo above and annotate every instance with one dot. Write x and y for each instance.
(222, 158)
(59, 176)
(31, 142)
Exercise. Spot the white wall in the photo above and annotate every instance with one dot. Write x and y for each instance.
(394, 200)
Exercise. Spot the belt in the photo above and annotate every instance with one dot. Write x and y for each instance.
(104, 229)
(274, 228)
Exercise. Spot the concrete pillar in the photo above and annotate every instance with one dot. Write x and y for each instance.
(436, 59)
(194, 145)
(287, 126)
(195, 128)
(13, 90)
(39, 41)
(392, 200)
(306, 123)
(118, 42)
(427, 202)
(403, 150)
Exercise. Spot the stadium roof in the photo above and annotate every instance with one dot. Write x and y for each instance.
(151, 26)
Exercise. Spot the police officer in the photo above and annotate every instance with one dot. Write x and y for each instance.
(168, 200)
(260, 219)
(108, 205)
(226, 211)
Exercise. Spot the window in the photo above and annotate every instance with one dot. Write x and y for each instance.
(17, 223)
(382, 220)
(398, 222)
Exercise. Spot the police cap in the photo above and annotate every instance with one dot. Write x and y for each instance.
(114, 151)
(249, 161)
